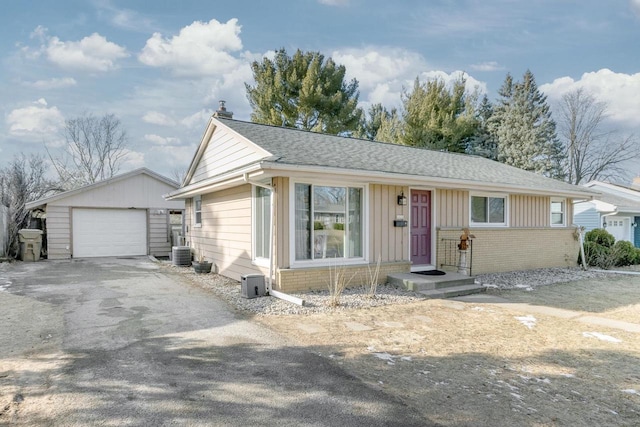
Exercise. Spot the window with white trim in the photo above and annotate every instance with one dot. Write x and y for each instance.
(328, 222)
(262, 223)
(488, 210)
(197, 211)
(558, 212)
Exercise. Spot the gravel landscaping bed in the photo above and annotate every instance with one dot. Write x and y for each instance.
(318, 301)
(530, 279)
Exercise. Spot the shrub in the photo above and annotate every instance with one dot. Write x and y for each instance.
(338, 226)
(624, 252)
(318, 225)
(599, 256)
(600, 236)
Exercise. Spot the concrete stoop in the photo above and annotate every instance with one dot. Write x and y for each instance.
(446, 286)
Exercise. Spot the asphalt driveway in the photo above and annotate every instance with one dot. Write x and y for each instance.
(120, 342)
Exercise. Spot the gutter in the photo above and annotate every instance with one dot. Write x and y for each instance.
(215, 183)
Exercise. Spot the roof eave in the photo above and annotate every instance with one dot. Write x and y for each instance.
(217, 183)
(406, 179)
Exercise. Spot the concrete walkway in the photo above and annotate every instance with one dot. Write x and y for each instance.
(550, 311)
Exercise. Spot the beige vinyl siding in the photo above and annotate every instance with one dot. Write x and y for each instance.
(529, 211)
(389, 242)
(225, 151)
(159, 239)
(281, 192)
(225, 234)
(452, 208)
(58, 232)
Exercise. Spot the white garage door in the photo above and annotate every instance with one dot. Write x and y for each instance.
(618, 228)
(109, 232)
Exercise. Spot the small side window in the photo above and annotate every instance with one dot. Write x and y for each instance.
(197, 210)
(558, 212)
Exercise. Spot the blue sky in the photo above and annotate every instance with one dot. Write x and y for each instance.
(162, 66)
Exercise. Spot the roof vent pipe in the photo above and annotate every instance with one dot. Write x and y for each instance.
(222, 112)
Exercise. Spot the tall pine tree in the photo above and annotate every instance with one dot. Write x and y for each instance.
(304, 91)
(523, 129)
(438, 117)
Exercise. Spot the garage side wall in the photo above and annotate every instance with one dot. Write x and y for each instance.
(58, 232)
(159, 232)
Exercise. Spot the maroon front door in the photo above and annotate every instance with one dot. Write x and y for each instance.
(420, 227)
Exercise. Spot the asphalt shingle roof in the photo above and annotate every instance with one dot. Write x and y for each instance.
(297, 147)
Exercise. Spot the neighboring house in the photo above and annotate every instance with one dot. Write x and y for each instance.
(122, 216)
(291, 204)
(617, 210)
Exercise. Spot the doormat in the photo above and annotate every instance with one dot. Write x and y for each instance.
(430, 273)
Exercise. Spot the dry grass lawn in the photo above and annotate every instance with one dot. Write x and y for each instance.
(486, 363)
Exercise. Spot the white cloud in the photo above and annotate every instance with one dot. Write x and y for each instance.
(620, 91)
(384, 72)
(375, 65)
(92, 53)
(334, 2)
(197, 120)
(635, 7)
(35, 121)
(487, 66)
(173, 156)
(200, 49)
(471, 84)
(53, 83)
(157, 118)
(160, 140)
(125, 18)
(133, 160)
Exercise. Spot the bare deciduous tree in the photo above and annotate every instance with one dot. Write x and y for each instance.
(23, 180)
(592, 151)
(94, 150)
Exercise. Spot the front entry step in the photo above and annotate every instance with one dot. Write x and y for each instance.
(448, 285)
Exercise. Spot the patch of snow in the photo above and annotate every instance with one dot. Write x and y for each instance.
(601, 337)
(4, 285)
(425, 372)
(385, 356)
(478, 308)
(406, 358)
(516, 395)
(371, 348)
(568, 375)
(529, 321)
(631, 391)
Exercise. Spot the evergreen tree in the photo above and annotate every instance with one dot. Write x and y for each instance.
(391, 128)
(373, 120)
(524, 130)
(482, 142)
(438, 117)
(304, 91)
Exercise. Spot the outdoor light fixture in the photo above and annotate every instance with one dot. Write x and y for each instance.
(402, 201)
(604, 222)
(634, 224)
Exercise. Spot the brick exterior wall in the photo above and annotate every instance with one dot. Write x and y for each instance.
(497, 250)
(317, 278)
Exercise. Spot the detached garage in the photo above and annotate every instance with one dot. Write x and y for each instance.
(122, 216)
